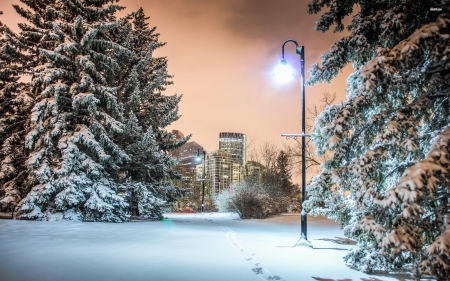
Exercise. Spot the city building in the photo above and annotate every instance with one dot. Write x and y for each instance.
(199, 171)
(221, 171)
(186, 156)
(188, 176)
(252, 169)
(222, 167)
(178, 134)
(236, 173)
(209, 192)
(235, 145)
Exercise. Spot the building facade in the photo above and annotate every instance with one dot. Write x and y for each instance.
(222, 167)
(176, 135)
(236, 173)
(252, 169)
(235, 144)
(186, 156)
(221, 171)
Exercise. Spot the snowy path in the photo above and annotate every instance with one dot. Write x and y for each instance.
(183, 247)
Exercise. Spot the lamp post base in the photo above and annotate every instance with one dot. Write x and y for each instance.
(303, 242)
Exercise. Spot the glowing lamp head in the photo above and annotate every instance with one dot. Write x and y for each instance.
(283, 73)
(198, 159)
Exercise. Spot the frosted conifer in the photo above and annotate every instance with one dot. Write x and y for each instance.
(15, 103)
(76, 113)
(147, 176)
(387, 182)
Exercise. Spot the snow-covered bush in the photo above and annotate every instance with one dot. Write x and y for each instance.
(223, 200)
(252, 200)
(267, 193)
(387, 182)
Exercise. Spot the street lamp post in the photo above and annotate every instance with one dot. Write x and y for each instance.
(203, 176)
(284, 73)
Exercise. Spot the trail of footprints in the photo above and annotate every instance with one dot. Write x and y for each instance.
(256, 267)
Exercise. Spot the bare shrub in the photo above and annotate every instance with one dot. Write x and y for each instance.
(252, 200)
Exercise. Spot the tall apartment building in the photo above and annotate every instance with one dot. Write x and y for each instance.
(186, 156)
(178, 134)
(222, 167)
(221, 171)
(252, 169)
(236, 173)
(235, 145)
(209, 192)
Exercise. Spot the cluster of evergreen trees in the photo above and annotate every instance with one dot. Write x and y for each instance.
(388, 180)
(92, 120)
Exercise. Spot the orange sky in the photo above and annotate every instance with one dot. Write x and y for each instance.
(222, 53)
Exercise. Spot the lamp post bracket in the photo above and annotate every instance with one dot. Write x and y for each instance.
(295, 135)
(198, 179)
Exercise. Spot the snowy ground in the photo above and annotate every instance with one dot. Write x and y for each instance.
(183, 247)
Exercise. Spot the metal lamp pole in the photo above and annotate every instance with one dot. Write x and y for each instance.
(300, 50)
(203, 175)
(203, 181)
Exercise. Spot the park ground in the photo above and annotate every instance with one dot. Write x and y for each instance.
(185, 247)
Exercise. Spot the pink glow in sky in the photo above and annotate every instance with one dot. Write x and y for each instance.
(222, 53)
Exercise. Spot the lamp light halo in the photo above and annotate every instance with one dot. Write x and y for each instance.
(283, 72)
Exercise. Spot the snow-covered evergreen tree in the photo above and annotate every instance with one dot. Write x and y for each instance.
(96, 117)
(76, 113)
(148, 112)
(387, 181)
(15, 104)
(283, 167)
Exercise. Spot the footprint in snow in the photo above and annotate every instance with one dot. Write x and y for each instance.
(249, 257)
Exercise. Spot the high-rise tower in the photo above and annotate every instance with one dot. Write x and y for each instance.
(235, 145)
(186, 157)
(221, 171)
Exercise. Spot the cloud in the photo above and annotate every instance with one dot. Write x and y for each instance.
(273, 22)
(269, 19)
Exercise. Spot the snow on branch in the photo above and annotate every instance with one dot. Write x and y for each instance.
(409, 52)
(422, 178)
(437, 262)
